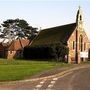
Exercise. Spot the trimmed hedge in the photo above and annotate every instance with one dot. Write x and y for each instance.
(37, 52)
(54, 51)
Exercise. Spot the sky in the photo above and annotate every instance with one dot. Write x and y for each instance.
(45, 13)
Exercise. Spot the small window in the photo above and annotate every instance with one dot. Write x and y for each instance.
(73, 45)
(10, 52)
(84, 46)
(80, 17)
(81, 43)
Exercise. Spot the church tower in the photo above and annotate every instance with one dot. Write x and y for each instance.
(79, 19)
(79, 35)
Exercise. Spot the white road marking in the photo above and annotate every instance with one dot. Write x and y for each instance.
(49, 86)
(38, 86)
(41, 82)
(52, 82)
(55, 78)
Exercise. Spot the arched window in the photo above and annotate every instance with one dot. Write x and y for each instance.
(84, 46)
(80, 17)
(73, 45)
(81, 43)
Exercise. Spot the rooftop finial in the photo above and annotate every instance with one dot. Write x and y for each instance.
(79, 7)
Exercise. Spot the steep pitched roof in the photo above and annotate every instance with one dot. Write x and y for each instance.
(1, 47)
(54, 35)
(18, 44)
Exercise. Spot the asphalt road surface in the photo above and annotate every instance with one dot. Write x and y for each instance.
(78, 79)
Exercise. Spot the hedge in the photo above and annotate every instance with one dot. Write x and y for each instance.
(53, 51)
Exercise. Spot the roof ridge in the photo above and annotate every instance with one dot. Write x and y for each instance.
(59, 26)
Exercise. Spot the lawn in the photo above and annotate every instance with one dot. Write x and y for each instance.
(11, 70)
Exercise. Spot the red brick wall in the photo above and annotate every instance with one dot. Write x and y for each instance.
(10, 54)
(14, 54)
(15, 50)
(70, 44)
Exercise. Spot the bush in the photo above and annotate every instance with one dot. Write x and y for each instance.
(37, 53)
(59, 51)
(53, 51)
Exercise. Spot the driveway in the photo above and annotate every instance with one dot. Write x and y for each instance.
(77, 78)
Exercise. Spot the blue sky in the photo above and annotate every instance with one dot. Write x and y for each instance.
(45, 13)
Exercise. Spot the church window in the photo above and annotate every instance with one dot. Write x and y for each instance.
(73, 45)
(81, 43)
(84, 46)
(80, 17)
(11, 52)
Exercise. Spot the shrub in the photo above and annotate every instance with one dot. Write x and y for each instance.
(52, 51)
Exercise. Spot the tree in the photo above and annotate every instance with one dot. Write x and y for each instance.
(59, 51)
(18, 28)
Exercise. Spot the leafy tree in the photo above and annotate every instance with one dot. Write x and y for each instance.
(18, 28)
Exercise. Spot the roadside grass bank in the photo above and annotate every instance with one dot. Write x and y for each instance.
(11, 70)
(86, 62)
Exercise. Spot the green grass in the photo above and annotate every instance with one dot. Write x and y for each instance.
(86, 62)
(21, 69)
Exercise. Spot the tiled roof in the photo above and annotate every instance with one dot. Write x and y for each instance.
(54, 35)
(1, 47)
(18, 44)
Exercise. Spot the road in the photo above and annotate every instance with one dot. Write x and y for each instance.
(75, 79)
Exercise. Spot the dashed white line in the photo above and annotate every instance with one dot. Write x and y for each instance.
(39, 85)
(49, 86)
(55, 78)
(52, 82)
(42, 82)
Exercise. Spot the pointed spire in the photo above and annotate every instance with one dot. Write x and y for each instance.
(79, 7)
(79, 17)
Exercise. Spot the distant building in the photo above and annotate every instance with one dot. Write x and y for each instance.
(14, 49)
(73, 34)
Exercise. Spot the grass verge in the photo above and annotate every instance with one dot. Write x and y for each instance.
(21, 69)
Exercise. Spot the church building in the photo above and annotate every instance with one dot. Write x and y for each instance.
(73, 34)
